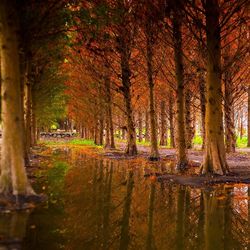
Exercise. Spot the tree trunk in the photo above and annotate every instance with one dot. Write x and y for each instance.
(109, 113)
(229, 118)
(101, 128)
(154, 154)
(203, 106)
(140, 125)
(34, 130)
(13, 179)
(228, 106)
(107, 135)
(248, 118)
(214, 157)
(180, 117)
(126, 88)
(188, 127)
(147, 129)
(28, 115)
(171, 122)
(163, 124)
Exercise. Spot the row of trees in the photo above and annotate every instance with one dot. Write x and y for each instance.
(188, 58)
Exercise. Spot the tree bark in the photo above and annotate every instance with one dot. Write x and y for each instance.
(154, 154)
(13, 179)
(171, 122)
(228, 107)
(248, 118)
(215, 157)
(180, 116)
(147, 129)
(203, 106)
(163, 138)
(126, 88)
(110, 126)
(140, 125)
(188, 118)
(28, 115)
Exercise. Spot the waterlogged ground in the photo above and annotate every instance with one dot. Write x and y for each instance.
(98, 203)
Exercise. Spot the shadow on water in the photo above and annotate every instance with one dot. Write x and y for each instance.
(103, 204)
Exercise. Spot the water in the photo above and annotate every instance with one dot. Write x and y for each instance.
(103, 204)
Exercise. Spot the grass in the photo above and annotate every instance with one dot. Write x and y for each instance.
(82, 142)
(197, 140)
(241, 142)
(77, 142)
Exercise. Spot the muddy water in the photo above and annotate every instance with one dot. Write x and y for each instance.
(103, 204)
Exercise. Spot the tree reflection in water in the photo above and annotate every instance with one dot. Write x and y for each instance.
(13, 229)
(110, 205)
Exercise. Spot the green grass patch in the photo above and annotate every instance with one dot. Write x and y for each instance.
(241, 142)
(82, 142)
(197, 140)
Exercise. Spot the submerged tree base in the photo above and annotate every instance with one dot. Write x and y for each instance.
(20, 202)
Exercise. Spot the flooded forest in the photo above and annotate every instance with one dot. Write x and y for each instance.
(124, 124)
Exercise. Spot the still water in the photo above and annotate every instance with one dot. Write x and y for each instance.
(104, 204)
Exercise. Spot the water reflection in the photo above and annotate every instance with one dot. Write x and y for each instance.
(13, 229)
(110, 205)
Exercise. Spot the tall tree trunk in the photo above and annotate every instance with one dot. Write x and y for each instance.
(23, 82)
(101, 128)
(27, 110)
(107, 135)
(215, 156)
(163, 124)
(179, 71)
(188, 127)
(140, 125)
(126, 88)
(147, 129)
(109, 113)
(154, 154)
(13, 179)
(228, 106)
(203, 106)
(248, 118)
(171, 122)
(34, 129)
(229, 118)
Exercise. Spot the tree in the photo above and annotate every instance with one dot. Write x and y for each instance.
(215, 156)
(179, 71)
(13, 179)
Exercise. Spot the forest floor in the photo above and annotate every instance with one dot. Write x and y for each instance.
(164, 169)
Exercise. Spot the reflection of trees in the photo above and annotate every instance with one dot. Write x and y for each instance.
(181, 213)
(150, 238)
(13, 229)
(214, 224)
(124, 241)
(107, 206)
